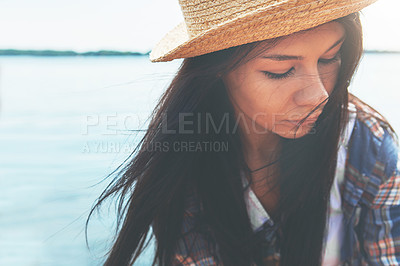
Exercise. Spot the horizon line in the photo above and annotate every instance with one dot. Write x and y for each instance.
(50, 52)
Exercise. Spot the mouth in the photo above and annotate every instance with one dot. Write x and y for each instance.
(306, 121)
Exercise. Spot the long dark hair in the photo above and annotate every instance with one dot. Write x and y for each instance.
(151, 188)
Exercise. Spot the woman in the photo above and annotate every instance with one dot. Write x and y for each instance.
(309, 173)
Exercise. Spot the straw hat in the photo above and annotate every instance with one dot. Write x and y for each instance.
(212, 25)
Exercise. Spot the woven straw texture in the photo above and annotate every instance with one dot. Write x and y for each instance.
(211, 26)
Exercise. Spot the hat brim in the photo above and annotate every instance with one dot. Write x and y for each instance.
(262, 24)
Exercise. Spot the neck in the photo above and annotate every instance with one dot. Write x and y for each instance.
(260, 146)
(261, 151)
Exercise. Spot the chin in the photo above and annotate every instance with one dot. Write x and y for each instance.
(294, 133)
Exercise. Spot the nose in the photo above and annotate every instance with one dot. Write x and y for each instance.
(311, 91)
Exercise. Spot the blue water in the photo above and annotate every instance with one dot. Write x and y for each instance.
(64, 125)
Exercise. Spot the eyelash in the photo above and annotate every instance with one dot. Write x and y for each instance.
(331, 60)
(279, 76)
(290, 71)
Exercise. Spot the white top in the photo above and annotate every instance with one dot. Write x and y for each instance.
(334, 233)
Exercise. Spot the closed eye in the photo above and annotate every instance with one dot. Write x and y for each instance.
(330, 60)
(279, 75)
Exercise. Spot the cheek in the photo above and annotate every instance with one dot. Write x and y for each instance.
(266, 102)
(329, 76)
(249, 92)
(268, 106)
(258, 100)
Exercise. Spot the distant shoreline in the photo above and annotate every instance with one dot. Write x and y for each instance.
(14, 52)
(380, 52)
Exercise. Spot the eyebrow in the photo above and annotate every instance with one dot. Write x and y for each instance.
(280, 57)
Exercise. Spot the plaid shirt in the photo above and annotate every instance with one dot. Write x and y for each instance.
(370, 202)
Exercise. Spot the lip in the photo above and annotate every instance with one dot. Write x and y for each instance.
(309, 120)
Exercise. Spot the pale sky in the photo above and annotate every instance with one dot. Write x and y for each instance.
(135, 25)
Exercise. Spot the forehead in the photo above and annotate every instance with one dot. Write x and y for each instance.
(310, 40)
